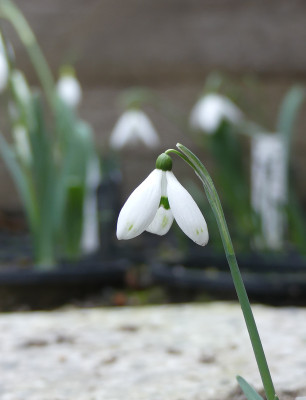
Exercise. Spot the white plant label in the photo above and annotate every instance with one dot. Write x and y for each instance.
(269, 188)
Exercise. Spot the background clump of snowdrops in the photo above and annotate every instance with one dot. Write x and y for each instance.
(246, 125)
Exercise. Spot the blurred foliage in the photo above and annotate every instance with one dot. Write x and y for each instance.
(49, 153)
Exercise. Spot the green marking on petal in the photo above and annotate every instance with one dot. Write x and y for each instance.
(164, 203)
(201, 230)
(165, 221)
(130, 227)
(197, 231)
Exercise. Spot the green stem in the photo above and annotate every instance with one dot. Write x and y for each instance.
(10, 12)
(215, 203)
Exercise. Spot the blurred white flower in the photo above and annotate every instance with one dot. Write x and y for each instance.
(23, 96)
(20, 86)
(132, 128)
(4, 72)
(69, 89)
(211, 110)
(269, 187)
(155, 203)
(22, 144)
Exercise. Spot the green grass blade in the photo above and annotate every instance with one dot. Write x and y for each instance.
(248, 390)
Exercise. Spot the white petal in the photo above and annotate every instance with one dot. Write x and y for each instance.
(146, 132)
(21, 87)
(69, 90)
(140, 208)
(22, 143)
(4, 72)
(185, 211)
(121, 134)
(162, 222)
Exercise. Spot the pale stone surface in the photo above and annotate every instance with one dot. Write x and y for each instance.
(185, 352)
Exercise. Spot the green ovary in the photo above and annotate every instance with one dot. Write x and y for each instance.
(164, 203)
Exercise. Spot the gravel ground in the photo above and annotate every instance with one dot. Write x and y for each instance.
(184, 352)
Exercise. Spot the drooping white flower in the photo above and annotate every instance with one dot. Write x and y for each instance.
(20, 87)
(22, 144)
(132, 128)
(156, 202)
(68, 88)
(211, 110)
(4, 72)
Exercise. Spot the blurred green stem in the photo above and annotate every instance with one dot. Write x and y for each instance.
(215, 203)
(10, 12)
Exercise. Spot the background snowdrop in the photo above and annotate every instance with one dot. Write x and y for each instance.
(133, 128)
(68, 88)
(22, 144)
(20, 87)
(211, 110)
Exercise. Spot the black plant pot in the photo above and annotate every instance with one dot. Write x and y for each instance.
(36, 290)
(276, 280)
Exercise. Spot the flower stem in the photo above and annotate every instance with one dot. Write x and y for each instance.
(215, 203)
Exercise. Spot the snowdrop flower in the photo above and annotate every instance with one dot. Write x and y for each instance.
(211, 110)
(22, 144)
(156, 202)
(132, 128)
(68, 88)
(21, 87)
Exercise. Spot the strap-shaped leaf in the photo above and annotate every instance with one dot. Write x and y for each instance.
(248, 390)
(22, 182)
(288, 114)
(72, 223)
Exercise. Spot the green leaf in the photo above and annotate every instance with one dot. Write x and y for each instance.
(248, 390)
(288, 114)
(43, 174)
(9, 11)
(76, 149)
(21, 180)
(72, 223)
